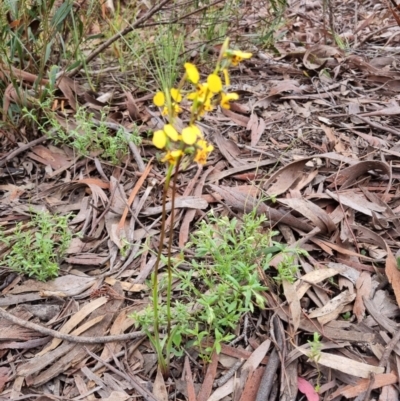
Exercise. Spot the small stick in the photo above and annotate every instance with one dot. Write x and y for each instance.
(68, 337)
(222, 380)
(16, 152)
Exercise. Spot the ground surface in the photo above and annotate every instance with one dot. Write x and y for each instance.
(317, 127)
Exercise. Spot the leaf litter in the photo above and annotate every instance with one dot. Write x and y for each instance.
(316, 128)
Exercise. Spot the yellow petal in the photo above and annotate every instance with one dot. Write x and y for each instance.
(214, 83)
(176, 153)
(159, 99)
(171, 132)
(172, 157)
(190, 134)
(232, 96)
(176, 95)
(242, 55)
(226, 98)
(159, 139)
(192, 73)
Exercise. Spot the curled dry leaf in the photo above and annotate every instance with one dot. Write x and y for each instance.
(317, 56)
(333, 308)
(310, 210)
(314, 277)
(351, 391)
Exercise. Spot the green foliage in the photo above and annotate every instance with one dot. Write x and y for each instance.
(315, 355)
(37, 34)
(222, 283)
(287, 267)
(266, 28)
(37, 247)
(85, 134)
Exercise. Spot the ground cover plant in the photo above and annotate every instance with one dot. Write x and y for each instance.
(212, 225)
(36, 248)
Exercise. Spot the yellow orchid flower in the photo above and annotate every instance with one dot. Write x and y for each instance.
(172, 156)
(214, 83)
(190, 134)
(192, 73)
(226, 98)
(159, 99)
(236, 56)
(176, 95)
(203, 150)
(171, 132)
(159, 139)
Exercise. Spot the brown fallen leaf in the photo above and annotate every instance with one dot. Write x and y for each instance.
(347, 176)
(252, 384)
(248, 203)
(356, 201)
(294, 304)
(389, 392)
(285, 177)
(207, 386)
(363, 286)
(351, 391)
(314, 277)
(312, 211)
(333, 308)
(346, 365)
(5, 373)
(256, 126)
(117, 396)
(159, 389)
(393, 274)
(317, 56)
(238, 119)
(191, 393)
(74, 321)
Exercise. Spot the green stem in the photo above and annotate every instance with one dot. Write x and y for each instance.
(170, 240)
(162, 361)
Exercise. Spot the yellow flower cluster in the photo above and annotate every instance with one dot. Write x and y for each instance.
(205, 96)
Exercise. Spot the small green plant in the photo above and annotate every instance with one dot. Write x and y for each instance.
(315, 355)
(84, 134)
(287, 267)
(221, 285)
(36, 248)
(269, 24)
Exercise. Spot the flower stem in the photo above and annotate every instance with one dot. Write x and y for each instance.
(163, 362)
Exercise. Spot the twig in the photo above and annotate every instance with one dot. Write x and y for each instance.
(379, 126)
(138, 387)
(67, 337)
(389, 348)
(118, 35)
(273, 364)
(222, 380)
(16, 152)
(367, 393)
(369, 36)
